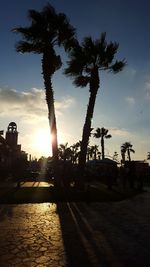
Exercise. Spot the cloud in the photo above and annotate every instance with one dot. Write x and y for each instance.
(29, 110)
(147, 85)
(119, 132)
(64, 104)
(147, 90)
(129, 72)
(130, 100)
(147, 95)
(29, 104)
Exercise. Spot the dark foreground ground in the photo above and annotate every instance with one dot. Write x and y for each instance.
(76, 234)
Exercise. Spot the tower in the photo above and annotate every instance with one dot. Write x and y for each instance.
(12, 135)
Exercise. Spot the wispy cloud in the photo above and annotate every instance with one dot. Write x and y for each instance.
(130, 100)
(129, 72)
(65, 103)
(147, 90)
(147, 85)
(119, 132)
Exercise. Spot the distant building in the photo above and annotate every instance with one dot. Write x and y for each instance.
(10, 150)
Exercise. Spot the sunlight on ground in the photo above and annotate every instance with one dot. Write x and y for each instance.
(36, 184)
(30, 235)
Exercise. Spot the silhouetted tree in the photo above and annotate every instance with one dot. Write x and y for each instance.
(115, 156)
(75, 151)
(94, 151)
(148, 156)
(86, 60)
(65, 152)
(127, 148)
(102, 133)
(48, 29)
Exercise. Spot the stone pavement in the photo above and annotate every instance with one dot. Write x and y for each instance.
(76, 234)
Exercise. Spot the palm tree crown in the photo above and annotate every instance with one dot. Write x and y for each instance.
(127, 147)
(86, 60)
(89, 57)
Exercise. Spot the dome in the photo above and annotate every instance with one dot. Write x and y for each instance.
(12, 124)
(12, 127)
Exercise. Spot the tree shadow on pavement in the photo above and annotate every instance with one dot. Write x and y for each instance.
(81, 246)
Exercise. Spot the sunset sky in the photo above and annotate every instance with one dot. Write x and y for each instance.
(123, 101)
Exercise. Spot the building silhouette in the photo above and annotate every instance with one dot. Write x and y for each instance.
(11, 155)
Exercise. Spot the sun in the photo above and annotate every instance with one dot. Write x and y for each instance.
(42, 142)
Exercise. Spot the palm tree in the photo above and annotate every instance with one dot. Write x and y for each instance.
(47, 30)
(115, 156)
(86, 60)
(148, 156)
(75, 151)
(127, 148)
(65, 152)
(102, 133)
(94, 151)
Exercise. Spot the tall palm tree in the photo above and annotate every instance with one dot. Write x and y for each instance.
(48, 29)
(102, 133)
(86, 60)
(127, 148)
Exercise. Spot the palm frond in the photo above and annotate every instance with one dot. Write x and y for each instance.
(132, 150)
(81, 81)
(34, 15)
(118, 66)
(110, 52)
(97, 134)
(66, 32)
(108, 136)
(24, 47)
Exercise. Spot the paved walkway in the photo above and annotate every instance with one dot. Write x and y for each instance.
(76, 234)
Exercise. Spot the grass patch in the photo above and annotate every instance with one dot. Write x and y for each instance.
(98, 193)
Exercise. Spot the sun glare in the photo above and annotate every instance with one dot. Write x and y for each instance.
(42, 142)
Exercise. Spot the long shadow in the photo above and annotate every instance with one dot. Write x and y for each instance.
(79, 241)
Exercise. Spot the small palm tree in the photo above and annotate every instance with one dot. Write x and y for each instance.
(75, 151)
(65, 152)
(102, 133)
(115, 156)
(127, 148)
(86, 60)
(148, 156)
(47, 30)
(94, 151)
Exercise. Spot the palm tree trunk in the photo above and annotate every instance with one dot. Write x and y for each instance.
(86, 133)
(47, 75)
(102, 146)
(94, 85)
(129, 157)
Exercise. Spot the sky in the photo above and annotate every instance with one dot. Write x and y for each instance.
(123, 101)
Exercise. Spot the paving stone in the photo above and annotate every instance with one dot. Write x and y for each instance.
(76, 234)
